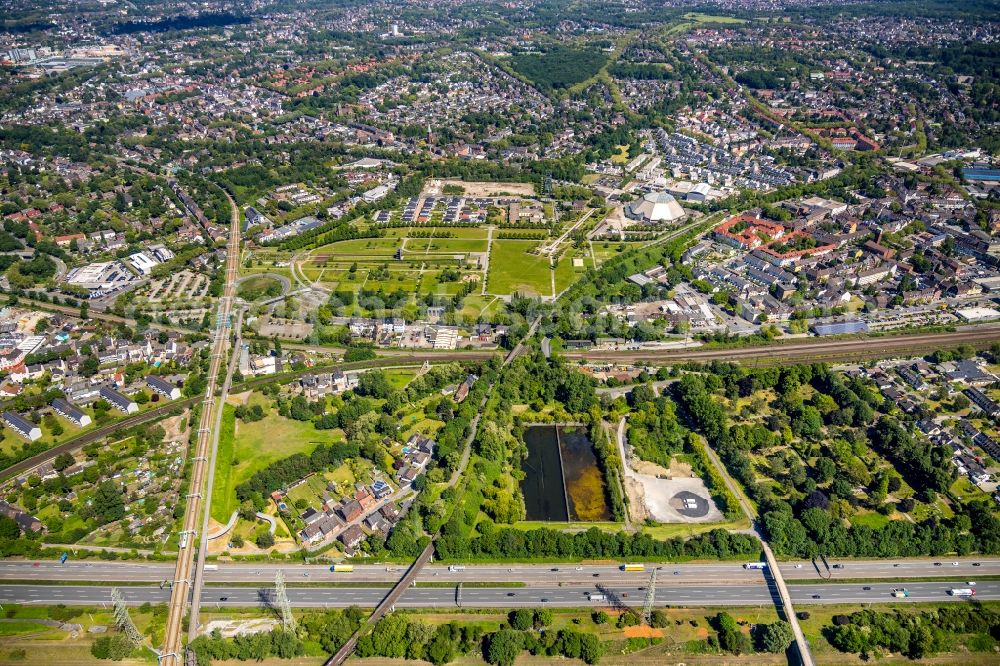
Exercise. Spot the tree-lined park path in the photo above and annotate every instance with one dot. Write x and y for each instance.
(486, 264)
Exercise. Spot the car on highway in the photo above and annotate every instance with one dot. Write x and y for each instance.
(624, 595)
(677, 573)
(971, 583)
(223, 598)
(976, 564)
(937, 564)
(554, 569)
(545, 600)
(867, 588)
(510, 594)
(896, 565)
(954, 564)
(579, 568)
(597, 575)
(816, 596)
(798, 566)
(838, 566)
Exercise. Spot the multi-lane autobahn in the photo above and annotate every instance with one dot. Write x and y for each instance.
(571, 595)
(49, 571)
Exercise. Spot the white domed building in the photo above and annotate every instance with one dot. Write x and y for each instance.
(655, 207)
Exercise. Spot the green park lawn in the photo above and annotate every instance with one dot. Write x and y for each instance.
(416, 246)
(358, 248)
(259, 287)
(513, 269)
(604, 250)
(566, 273)
(870, 519)
(400, 378)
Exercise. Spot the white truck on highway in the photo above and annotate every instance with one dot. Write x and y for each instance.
(962, 592)
(456, 567)
(597, 596)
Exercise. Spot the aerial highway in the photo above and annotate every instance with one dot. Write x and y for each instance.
(505, 597)
(14, 571)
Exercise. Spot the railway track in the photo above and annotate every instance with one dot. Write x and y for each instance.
(857, 348)
(171, 654)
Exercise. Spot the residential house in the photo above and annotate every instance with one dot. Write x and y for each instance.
(352, 537)
(118, 400)
(23, 519)
(66, 410)
(351, 510)
(22, 426)
(163, 387)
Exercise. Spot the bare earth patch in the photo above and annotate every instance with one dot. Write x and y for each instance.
(239, 398)
(480, 189)
(642, 631)
(173, 427)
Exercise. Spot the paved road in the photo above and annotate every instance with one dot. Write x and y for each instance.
(565, 596)
(17, 571)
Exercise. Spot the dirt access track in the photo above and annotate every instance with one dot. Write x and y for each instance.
(435, 187)
(662, 499)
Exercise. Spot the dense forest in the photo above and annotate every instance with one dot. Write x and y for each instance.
(559, 67)
(915, 635)
(207, 20)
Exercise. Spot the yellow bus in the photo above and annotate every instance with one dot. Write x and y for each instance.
(633, 567)
(342, 568)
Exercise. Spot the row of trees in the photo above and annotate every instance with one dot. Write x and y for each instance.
(773, 637)
(508, 543)
(282, 472)
(396, 636)
(504, 646)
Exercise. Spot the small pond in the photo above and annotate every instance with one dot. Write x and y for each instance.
(562, 479)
